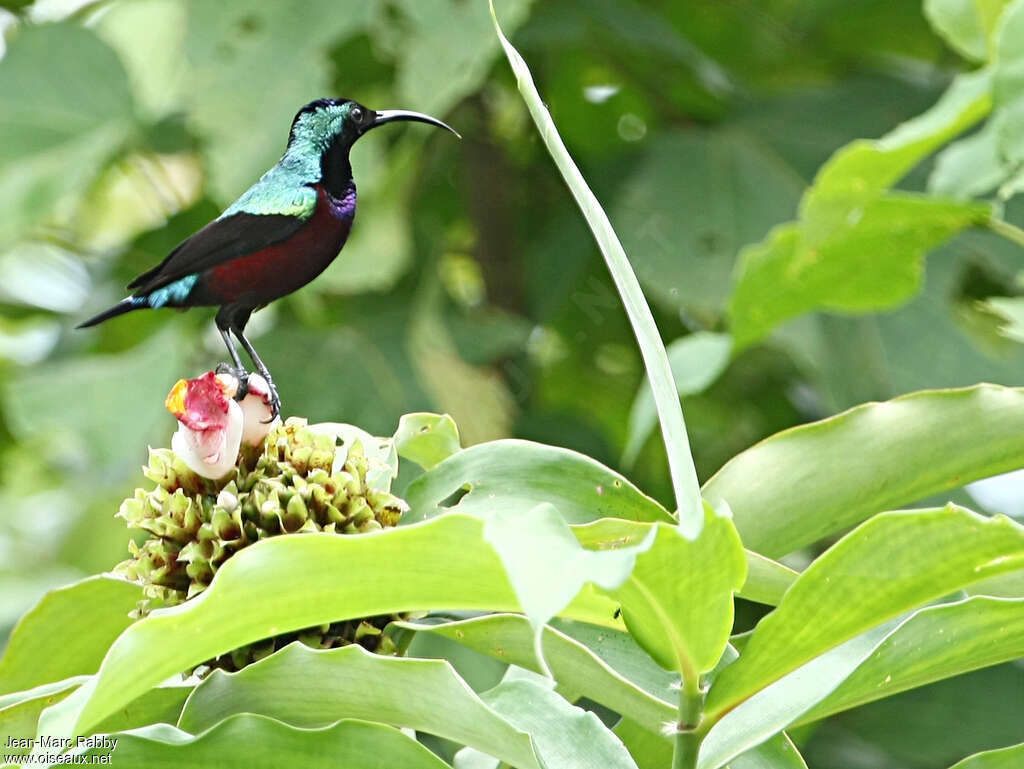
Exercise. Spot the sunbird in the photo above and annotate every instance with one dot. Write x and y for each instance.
(277, 237)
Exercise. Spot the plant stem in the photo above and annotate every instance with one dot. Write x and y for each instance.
(1007, 230)
(689, 731)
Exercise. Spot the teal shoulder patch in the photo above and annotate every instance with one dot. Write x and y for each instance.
(284, 189)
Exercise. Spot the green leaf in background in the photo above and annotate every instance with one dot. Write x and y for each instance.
(845, 219)
(690, 203)
(678, 602)
(601, 664)
(697, 361)
(313, 688)
(304, 581)
(1002, 758)
(519, 475)
(426, 439)
(810, 481)
(1008, 85)
(113, 404)
(936, 642)
(1011, 309)
(969, 167)
(684, 476)
(256, 64)
(93, 612)
(59, 123)
(347, 745)
(566, 736)
(884, 567)
(433, 83)
(782, 278)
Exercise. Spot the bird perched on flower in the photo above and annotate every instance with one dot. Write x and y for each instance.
(277, 237)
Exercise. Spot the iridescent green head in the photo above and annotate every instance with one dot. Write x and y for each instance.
(335, 124)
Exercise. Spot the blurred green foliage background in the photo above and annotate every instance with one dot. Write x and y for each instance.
(471, 284)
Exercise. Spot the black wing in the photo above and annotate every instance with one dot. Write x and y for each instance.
(218, 242)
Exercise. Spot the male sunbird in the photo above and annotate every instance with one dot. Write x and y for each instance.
(279, 235)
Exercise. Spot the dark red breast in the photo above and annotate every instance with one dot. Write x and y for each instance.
(272, 272)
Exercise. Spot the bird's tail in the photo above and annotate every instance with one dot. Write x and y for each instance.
(125, 305)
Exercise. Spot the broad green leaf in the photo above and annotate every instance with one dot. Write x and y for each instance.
(61, 118)
(678, 601)
(93, 612)
(818, 261)
(884, 567)
(1008, 85)
(601, 664)
(19, 711)
(864, 169)
(807, 482)
(308, 689)
(652, 750)
(652, 350)
(936, 642)
(873, 261)
(755, 721)
(247, 741)
(566, 736)
(427, 439)
(304, 581)
(547, 566)
(959, 24)
(697, 361)
(162, 705)
(689, 203)
(518, 475)
(1002, 758)
(766, 581)
(969, 167)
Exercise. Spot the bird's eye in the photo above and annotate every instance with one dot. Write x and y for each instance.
(357, 115)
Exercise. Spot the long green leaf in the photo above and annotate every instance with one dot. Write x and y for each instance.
(670, 413)
(810, 481)
(755, 721)
(936, 642)
(308, 688)
(19, 711)
(247, 741)
(766, 582)
(567, 737)
(678, 601)
(890, 564)
(302, 581)
(601, 664)
(518, 475)
(93, 612)
(1003, 758)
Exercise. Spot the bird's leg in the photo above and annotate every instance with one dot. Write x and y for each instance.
(275, 399)
(238, 370)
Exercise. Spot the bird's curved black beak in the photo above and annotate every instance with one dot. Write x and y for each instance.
(390, 115)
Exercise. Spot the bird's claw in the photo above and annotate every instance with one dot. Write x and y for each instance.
(275, 402)
(238, 373)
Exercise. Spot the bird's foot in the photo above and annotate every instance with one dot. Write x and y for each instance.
(238, 373)
(275, 400)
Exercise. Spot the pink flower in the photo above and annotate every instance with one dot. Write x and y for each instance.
(212, 425)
